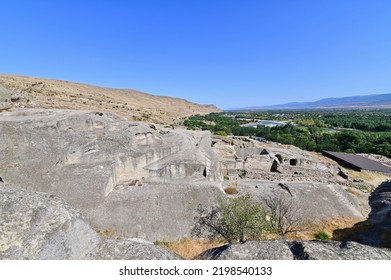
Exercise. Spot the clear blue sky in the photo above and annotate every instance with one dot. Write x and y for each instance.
(229, 53)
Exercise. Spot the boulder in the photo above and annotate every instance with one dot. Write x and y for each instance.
(376, 230)
(250, 250)
(296, 250)
(43, 226)
(380, 202)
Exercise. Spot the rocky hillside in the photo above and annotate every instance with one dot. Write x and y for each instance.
(132, 104)
(137, 180)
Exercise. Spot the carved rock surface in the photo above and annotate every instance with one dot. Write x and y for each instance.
(311, 182)
(131, 178)
(5, 98)
(308, 201)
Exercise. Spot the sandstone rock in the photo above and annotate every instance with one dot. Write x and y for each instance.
(42, 226)
(313, 181)
(130, 249)
(296, 250)
(126, 177)
(250, 250)
(259, 162)
(334, 250)
(260, 158)
(310, 201)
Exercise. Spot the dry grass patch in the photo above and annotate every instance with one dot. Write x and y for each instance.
(109, 233)
(327, 226)
(368, 177)
(189, 248)
(354, 191)
(231, 190)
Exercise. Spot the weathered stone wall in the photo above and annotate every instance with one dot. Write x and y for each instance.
(5, 99)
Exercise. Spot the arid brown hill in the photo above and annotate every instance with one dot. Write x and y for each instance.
(132, 104)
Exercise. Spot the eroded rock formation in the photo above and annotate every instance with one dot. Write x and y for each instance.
(133, 178)
(310, 182)
(145, 181)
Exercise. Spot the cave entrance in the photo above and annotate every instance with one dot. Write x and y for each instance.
(293, 162)
(274, 167)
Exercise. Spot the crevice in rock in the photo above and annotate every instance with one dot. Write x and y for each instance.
(286, 188)
(204, 173)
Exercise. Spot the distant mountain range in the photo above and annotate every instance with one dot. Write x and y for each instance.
(352, 102)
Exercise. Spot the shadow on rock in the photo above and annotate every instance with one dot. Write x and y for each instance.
(376, 230)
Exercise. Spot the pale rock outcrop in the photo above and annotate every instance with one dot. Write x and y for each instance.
(308, 201)
(42, 226)
(262, 160)
(296, 250)
(308, 182)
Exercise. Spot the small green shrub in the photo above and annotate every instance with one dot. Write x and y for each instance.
(221, 133)
(235, 220)
(322, 235)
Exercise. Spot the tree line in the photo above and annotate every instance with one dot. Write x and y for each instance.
(310, 134)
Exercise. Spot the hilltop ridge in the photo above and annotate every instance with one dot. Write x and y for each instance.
(131, 104)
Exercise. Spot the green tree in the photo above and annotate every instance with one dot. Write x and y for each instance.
(235, 220)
